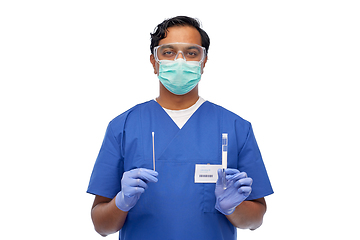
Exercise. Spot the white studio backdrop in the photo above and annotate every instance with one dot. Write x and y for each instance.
(289, 67)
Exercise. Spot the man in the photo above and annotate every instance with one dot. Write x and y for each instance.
(154, 176)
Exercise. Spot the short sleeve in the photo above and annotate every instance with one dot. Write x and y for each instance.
(106, 176)
(251, 162)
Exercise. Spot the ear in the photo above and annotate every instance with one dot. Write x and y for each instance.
(153, 62)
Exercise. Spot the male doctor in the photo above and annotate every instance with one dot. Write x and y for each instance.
(148, 179)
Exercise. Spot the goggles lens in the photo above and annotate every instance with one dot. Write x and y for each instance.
(172, 51)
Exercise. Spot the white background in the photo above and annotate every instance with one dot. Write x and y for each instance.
(289, 67)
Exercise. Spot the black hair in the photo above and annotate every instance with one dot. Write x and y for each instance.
(161, 30)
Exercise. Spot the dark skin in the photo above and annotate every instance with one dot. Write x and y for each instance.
(106, 216)
(108, 219)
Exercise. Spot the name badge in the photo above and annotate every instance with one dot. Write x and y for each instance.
(206, 173)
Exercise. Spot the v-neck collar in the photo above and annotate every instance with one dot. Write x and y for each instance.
(187, 122)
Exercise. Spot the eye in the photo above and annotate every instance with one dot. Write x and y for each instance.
(167, 53)
(193, 54)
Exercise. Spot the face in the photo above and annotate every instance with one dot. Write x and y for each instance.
(182, 34)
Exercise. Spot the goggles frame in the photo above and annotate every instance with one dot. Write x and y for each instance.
(179, 51)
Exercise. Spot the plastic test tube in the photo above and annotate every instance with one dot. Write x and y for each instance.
(224, 157)
(153, 146)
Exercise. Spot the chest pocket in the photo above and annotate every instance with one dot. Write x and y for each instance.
(209, 198)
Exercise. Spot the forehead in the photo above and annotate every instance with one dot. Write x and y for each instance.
(184, 34)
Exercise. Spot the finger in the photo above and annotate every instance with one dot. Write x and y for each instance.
(231, 171)
(137, 171)
(151, 172)
(237, 176)
(144, 174)
(243, 182)
(148, 175)
(131, 191)
(136, 183)
(220, 175)
(245, 190)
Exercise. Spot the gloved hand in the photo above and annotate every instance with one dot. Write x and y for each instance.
(238, 188)
(133, 184)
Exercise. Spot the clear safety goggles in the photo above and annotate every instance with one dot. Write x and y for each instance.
(172, 51)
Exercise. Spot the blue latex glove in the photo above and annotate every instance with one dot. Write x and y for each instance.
(133, 184)
(238, 188)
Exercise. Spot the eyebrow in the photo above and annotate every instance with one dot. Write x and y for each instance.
(173, 47)
(167, 46)
(193, 47)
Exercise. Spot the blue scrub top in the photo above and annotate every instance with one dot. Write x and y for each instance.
(175, 207)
